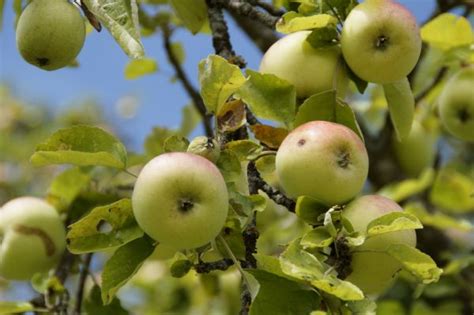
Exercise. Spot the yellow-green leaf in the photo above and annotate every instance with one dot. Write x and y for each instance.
(81, 145)
(448, 31)
(293, 22)
(193, 13)
(137, 68)
(15, 307)
(104, 227)
(393, 221)
(409, 187)
(416, 262)
(401, 105)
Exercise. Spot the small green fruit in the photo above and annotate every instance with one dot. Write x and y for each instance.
(373, 270)
(206, 147)
(381, 41)
(309, 69)
(456, 105)
(32, 238)
(416, 152)
(322, 160)
(50, 33)
(180, 200)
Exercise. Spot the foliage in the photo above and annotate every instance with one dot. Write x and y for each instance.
(274, 255)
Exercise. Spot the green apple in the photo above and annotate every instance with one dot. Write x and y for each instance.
(50, 33)
(322, 160)
(417, 151)
(309, 69)
(373, 270)
(180, 200)
(32, 238)
(456, 105)
(205, 147)
(381, 41)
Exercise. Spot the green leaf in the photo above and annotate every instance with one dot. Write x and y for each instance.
(401, 105)
(119, 17)
(94, 306)
(137, 68)
(15, 307)
(180, 268)
(409, 187)
(438, 219)
(341, 289)
(178, 51)
(453, 191)
(269, 97)
(229, 165)
(244, 149)
(309, 209)
(66, 187)
(316, 238)
(298, 263)
(393, 221)
(154, 142)
(270, 264)
(390, 307)
(193, 13)
(81, 145)
(176, 144)
(293, 22)
(323, 37)
(326, 106)
(456, 265)
(448, 31)
(219, 80)
(123, 264)
(417, 263)
(104, 227)
(280, 296)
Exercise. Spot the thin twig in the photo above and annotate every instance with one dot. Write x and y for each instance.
(268, 7)
(220, 34)
(190, 89)
(439, 76)
(82, 281)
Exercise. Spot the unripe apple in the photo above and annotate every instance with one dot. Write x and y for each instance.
(373, 271)
(417, 151)
(456, 105)
(180, 200)
(381, 41)
(50, 33)
(322, 160)
(32, 238)
(205, 147)
(309, 69)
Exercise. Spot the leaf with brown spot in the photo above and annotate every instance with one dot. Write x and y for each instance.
(268, 135)
(231, 116)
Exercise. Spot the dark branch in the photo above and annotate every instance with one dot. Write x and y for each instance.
(190, 89)
(82, 281)
(206, 267)
(269, 8)
(220, 34)
(262, 36)
(246, 9)
(256, 182)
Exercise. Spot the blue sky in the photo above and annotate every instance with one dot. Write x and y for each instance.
(100, 75)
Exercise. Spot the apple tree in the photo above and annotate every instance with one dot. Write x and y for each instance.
(338, 178)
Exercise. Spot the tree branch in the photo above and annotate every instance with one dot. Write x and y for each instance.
(82, 281)
(256, 182)
(206, 267)
(246, 9)
(262, 36)
(190, 89)
(220, 34)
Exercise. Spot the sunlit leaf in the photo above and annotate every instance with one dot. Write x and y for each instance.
(409, 187)
(137, 68)
(119, 17)
(66, 187)
(193, 13)
(293, 22)
(448, 31)
(104, 227)
(81, 145)
(393, 221)
(15, 307)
